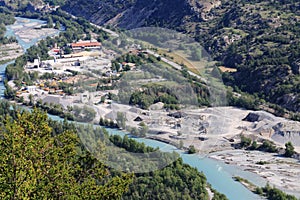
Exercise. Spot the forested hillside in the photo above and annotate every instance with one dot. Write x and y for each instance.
(258, 38)
(42, 158)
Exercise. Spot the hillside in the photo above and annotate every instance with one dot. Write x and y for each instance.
(259, 38)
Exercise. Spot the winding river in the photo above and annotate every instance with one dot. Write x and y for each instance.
(218, 174)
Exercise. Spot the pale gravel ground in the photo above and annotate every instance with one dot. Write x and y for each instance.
(30, 31)
(10, 51)
(283, 173)
(30, 34)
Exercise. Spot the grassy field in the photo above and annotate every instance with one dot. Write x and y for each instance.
(181, 58)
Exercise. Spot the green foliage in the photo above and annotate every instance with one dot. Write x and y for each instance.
(55, 109)
(259, 191)
(196, 54)
(176, 181)
(6, 18)
(253, 146)
(262, 163)
(107, 123)
(130, 144)
(272, 193)
(143, 129)
(268, 146)
(152, 94)
(245, 142)
(218, 196)
(289, 149)
(84, 114)
(141, 99)
(9, 93)
(36, 165)
(192, 149)
(49, 22)
(263, 54)
(244, 101)
(121, 120)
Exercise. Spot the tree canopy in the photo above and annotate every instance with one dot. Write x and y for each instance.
(36, 164)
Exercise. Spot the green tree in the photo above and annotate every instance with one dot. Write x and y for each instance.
(49, 22)
(192, 149)
(36, 165)
(57, 25)
(121, 120)
(253, 146)
(196, 54)
(289, 149)
(268, 146)
(181, 144)
(245, 142)
(31, 100)
(143, 129)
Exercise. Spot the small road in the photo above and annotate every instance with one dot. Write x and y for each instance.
(112, 33)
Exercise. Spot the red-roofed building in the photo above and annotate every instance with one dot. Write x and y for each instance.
(85, 45)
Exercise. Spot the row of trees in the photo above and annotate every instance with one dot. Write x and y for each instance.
(273, 193)
(176, 181)
(267, 146)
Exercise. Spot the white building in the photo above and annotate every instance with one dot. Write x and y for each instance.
(31, 88)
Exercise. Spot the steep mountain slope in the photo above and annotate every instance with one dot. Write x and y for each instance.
(19, 4)
(132, 13)
(258, 37)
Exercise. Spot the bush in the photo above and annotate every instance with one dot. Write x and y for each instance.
(268, 146)
(192, 149)
(253, 146)
(245, 142)
(289, 150)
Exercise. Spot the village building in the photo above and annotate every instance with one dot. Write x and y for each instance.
(82, 45)
(31, 88)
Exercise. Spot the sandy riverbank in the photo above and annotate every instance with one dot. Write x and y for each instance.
(283, 173)
(30, 31)
(10, 51)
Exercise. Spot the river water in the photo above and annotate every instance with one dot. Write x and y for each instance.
(218, 174)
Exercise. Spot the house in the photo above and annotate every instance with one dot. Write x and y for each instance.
(54, 51)
(31, 88)
(36, 63)
(85, 45)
